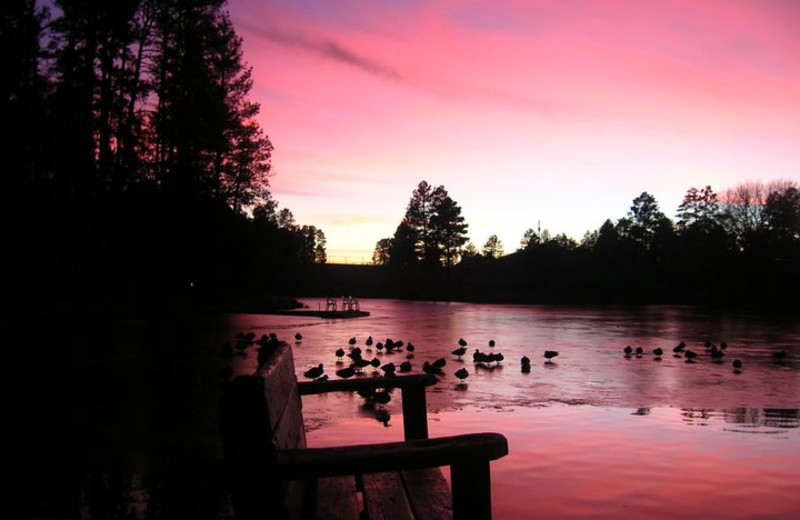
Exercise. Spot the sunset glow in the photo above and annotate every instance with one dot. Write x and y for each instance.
(545, 112)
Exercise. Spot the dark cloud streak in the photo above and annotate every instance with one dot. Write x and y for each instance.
(325, 48)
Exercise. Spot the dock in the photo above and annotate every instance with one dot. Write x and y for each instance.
(324, 314)
(350, 308)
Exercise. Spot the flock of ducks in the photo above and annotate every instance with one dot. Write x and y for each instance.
(715, 353)
(358, 361)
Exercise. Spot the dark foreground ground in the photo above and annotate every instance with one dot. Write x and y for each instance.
(111, 418)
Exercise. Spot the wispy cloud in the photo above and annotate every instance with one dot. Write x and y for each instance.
(325, 48)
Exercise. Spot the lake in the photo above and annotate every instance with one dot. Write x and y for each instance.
(594, 433)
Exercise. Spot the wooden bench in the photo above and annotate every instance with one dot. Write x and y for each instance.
(273, 474)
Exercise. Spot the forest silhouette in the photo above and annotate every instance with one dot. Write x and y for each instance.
(137, 171)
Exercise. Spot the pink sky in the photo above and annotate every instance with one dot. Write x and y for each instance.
(552, 112)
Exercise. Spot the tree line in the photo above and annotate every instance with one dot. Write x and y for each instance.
(738, 248)
(133, 156)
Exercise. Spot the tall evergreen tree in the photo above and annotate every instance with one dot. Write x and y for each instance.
(449, 230)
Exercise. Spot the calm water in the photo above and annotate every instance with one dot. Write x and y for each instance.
(593, 434)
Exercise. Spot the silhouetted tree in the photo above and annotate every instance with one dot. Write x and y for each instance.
(529, 239)
(493, 248)
(449, 230)
(402, 249)
(699, 208)
(743, 213)
(642, 222)
(380, 256)
(432, 232)
(320, 247)
(782, 214)
(419, 214)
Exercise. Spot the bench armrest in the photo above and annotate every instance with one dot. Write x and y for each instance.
(393, 456)
(353, 385)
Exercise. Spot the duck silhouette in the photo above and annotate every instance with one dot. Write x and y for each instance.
(549, 355)
(690, 355)
(737, 366)
(382, 416)
(382, 397)
(298, 337)
(339, 354)
(460, 351)
(405, 366)
(462, 374)
(628, 351)
(346, 373)
(314, 372)
(491, 343)
(462, 342)
(430, 369)
(658, 352)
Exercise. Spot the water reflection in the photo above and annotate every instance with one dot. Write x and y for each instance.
(117, 423)
(757, 420)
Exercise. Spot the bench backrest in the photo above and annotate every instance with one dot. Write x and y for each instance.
(258, 416)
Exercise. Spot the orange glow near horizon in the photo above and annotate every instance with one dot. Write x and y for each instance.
(546, 111)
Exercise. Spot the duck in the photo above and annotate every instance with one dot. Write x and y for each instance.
(382, 416)
(369, 343)
(679, 348)
(639, 351)
(628, 351)
(298, 337)
(405, 366)
(430, 369)
(737, 366)
(491, 343)
(460, 351)
(462, 374)
(658, 352)
(690, 355)
(314, 372)
(339, 354)
(352, 342)
(382, 397)
(549, 355)
(360, 364)
(389, 369)
(462, 342)
(346, 373)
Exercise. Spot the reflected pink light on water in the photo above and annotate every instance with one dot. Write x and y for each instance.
(592, 435)
(590, 462)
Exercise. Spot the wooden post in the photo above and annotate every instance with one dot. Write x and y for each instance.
(415, 412)
(472, 491)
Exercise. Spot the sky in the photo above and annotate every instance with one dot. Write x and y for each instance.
(543, 114)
